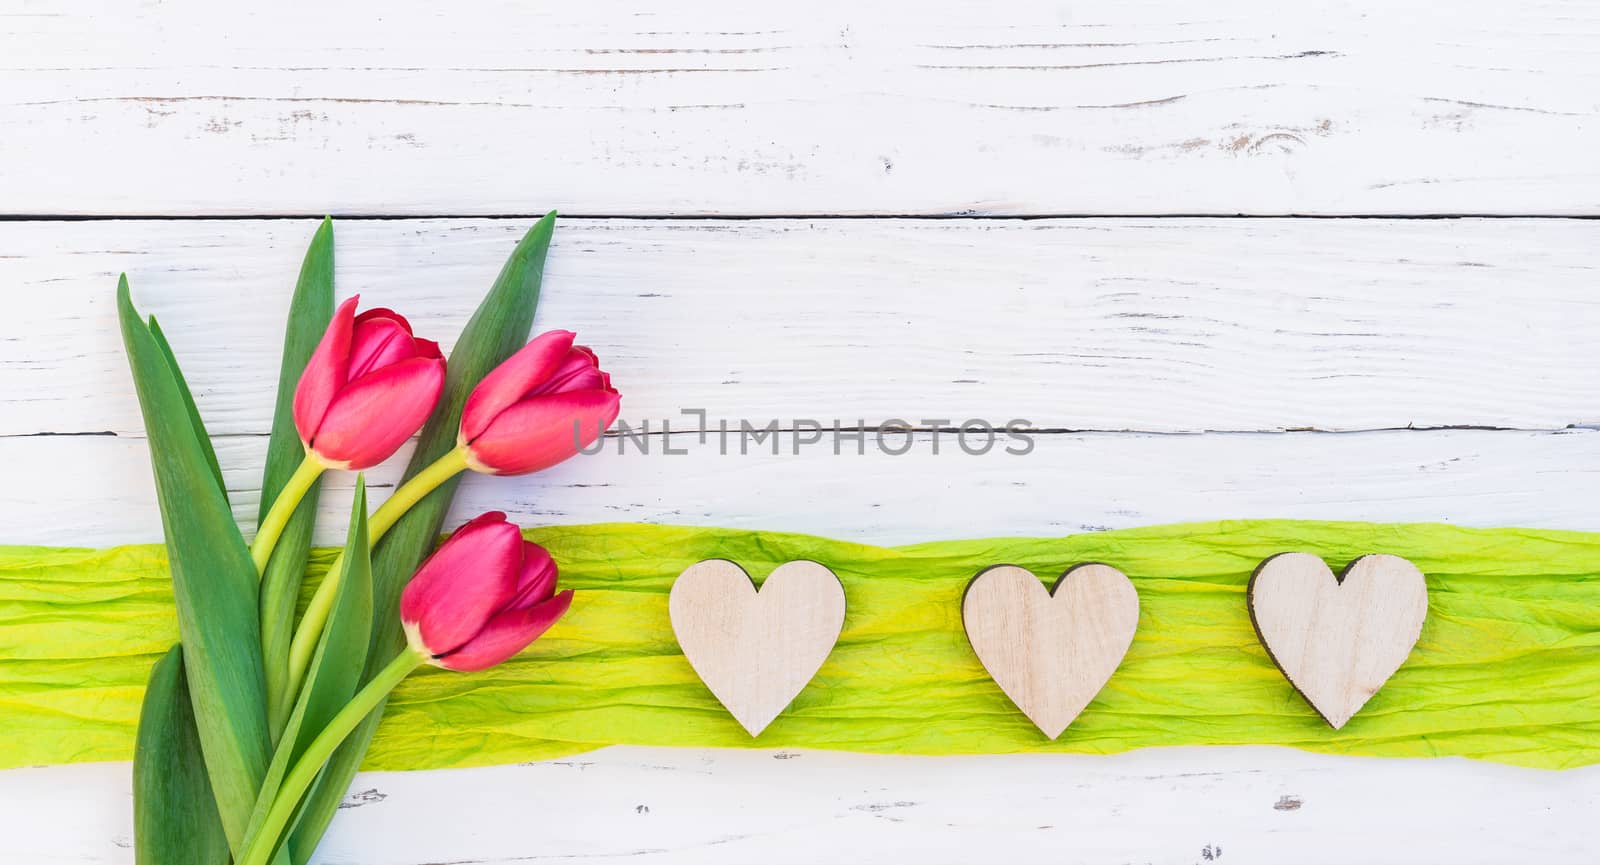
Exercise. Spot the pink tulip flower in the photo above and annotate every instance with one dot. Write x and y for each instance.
(482, 597)
(368, 387)
(543, 405)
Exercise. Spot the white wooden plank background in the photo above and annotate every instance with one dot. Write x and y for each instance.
(1069, 483)
(1153, 325)
(1179, 805)
(1381, 337)
(718, 106)
(1540, 475)
(1109, 325)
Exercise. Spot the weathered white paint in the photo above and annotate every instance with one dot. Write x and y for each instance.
(1279, 324)
(717, 106)
(101, 492)
(1110, 324)
(1154, 325)
(643, 805)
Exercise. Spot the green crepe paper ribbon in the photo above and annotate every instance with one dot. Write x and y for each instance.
(1507, 669)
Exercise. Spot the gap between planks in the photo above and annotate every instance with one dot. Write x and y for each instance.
(614, 434)
(716, 216)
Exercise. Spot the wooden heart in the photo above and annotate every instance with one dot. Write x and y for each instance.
(1338, 639)
(756, 650)
(1051, 651)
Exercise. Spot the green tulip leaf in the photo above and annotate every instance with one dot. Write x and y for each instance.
(309, 313)
(336, 667)
(175, 819)
(496, 330)
(188, 403)
(214, 581)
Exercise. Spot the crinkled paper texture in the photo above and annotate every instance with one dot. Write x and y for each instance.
(1508, 667)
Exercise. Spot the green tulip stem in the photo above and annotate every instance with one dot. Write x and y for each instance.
(282, 509)
(311, 624)
(259, 847)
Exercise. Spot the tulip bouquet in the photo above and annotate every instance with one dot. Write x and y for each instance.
(254, 725)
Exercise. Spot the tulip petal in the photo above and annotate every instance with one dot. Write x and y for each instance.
(325, 372)
(512, 379)
(383, 312)
(578, 371)
(427, 348)
(506, 634)
(463, 584)
(377, 343)
(374, 415)
(539, 432)
(537, 580)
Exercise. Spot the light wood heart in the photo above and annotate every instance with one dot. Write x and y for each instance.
(756, 650)
(1338, 639)
(1051, 651)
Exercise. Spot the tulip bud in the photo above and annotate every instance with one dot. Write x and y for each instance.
(368, 387)
(540, 407)
(482, 597)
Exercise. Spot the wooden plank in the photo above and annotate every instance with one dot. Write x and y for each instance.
(716, 107)
(661, 806)
(100, 492)
(1151, 325)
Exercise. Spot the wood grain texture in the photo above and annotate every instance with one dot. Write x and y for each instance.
(1149, 325)
(623, 107)
(1051, 651)
(756, 649)
(1027, 106)
(100, 492)
(1338, 639)
(1454, 362)
(662, 806)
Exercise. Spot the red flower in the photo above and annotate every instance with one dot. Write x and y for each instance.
(481, 597)
(368, 387)
(543, 405)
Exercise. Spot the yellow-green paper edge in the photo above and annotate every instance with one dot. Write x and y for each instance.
(1507, 669)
